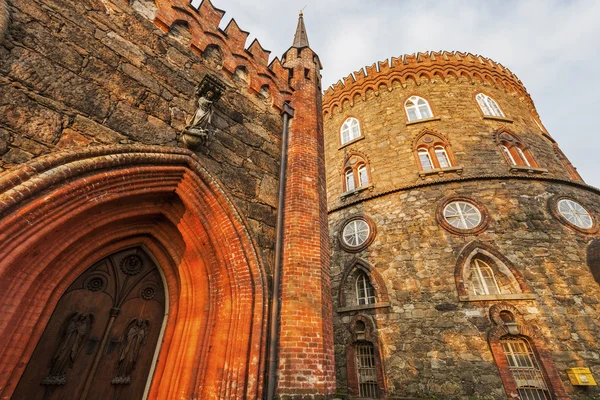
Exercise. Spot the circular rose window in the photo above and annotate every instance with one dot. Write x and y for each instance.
(356, 233)
(462, 215)
(575, 214)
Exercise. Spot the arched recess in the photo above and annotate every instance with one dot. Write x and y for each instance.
(593, 258)
(511, 282)
(347, 288)
(61, 213)
(509, 324)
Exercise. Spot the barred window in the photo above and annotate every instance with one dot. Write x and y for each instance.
(350, 130)
(488, 105)
(366, 370)
(417, 108)
(365, 293)
(525, 369)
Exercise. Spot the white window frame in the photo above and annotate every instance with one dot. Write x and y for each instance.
(363, 176)
(479, 283)
(420, 107)
(350, 130)
(355, 232)
(441, 150)
(506, 151)
(349, 179)
(456, 211)
(523, 156)
(364, 286)
(425, 152)
(575, 213)
(489, 106)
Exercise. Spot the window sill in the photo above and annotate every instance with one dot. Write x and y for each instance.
(440, 171)
(418, 121)
(529, 170)
(351, 142)
(499, 297)
(493, 117)
(355, 192)
(362, 307)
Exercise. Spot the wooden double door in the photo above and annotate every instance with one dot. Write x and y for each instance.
(102, 336)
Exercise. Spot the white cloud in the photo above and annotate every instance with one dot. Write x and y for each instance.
(551, 45)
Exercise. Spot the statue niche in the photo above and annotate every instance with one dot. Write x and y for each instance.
(198, 130)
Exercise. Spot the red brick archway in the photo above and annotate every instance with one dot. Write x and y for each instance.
(61, 213)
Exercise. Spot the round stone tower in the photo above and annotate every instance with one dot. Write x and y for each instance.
(463, 240)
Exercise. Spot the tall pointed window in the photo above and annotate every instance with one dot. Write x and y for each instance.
(366, 371)
(350, 130)
(356, 172)
(433, 151)
(488, 106)
(515, 153)
(524, 369)
(483, 280)
(365, 294)
(417, 108)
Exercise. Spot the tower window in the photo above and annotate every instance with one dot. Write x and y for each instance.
(488, 106)
(442, 156)
(417, 108)
(425, 159)
(356, 233)
(363, 177)
(432, 151)
(350, 185)
(575, 214)
(524, 369)
(514, 151)
(356, 172)
(483, 280)
(462, 215)
(366, 370)
(365, 293)
(350, 130)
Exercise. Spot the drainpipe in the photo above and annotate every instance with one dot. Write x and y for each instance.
(287, 113)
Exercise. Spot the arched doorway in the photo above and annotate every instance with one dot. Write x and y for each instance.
(101, 338)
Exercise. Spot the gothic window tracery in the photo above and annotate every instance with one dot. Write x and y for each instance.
(514, 151)
(417, 108)
(356, 173)
(488, 106)
(350, 130)
(433, 151)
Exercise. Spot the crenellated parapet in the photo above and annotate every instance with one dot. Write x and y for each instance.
(264, 78)
(431, 66)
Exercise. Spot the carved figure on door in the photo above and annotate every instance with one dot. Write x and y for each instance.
(75, 331)
(134, 338)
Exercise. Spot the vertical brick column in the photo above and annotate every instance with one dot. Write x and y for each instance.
(306, 357)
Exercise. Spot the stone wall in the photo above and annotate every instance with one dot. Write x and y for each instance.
(75, 74)
(433, 343)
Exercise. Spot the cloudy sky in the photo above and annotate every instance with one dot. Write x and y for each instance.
(553, 46)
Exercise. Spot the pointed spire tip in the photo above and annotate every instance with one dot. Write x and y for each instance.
(300, 38)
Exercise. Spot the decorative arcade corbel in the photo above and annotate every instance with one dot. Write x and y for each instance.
(198, 130)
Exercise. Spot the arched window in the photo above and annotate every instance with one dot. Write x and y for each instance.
(515, 153)
(483, 280)
(433, 151)
(356, 172)
(417, 108)
(350, 130)
(488, 106)
(366, 371)
(524, 369)
(365, 294)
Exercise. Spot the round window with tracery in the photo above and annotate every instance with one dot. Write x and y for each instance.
(356, 233)
(575, 214)
(462, 215)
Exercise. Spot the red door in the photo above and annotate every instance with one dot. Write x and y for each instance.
(101, 339)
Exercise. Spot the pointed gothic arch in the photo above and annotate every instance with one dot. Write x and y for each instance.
(347, 287)
(511, 283)
(66, 211)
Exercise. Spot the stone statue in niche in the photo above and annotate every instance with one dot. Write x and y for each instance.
(134, 338)
(198, 130)
(75, 331)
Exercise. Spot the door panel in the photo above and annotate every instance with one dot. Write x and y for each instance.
(101, 338)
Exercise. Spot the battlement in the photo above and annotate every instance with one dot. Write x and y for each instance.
(415, 67)
(203, 24)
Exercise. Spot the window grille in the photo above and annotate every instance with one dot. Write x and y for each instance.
(525, 370)
(462, 215)
(366, 371)
(365, 292)
(356, 232)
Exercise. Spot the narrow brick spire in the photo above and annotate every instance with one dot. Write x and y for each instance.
(300, 38)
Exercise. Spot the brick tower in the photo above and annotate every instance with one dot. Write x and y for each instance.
(306, 342)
